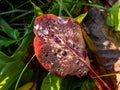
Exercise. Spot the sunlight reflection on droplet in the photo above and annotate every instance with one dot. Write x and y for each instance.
(36, 27)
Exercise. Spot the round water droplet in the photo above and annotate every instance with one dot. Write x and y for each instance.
(45, 32)
(36, 27)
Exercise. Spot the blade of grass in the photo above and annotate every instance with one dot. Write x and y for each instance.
(23, 71)
(12, 33)
(107, 75)
(74, 6)
(22, 4)
(64, 8)
(10, 4)
(12, 11)
(22, 15)
(93, 5)
(60, 8)
(4, 25)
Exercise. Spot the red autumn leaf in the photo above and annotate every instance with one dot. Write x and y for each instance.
(60, 48)
(58, 43)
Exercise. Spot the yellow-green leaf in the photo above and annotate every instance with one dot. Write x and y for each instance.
(37, 10)
(80, 18)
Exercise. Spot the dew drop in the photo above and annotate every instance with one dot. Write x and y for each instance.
(36, 27)
(62, 21)
(45, 32)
